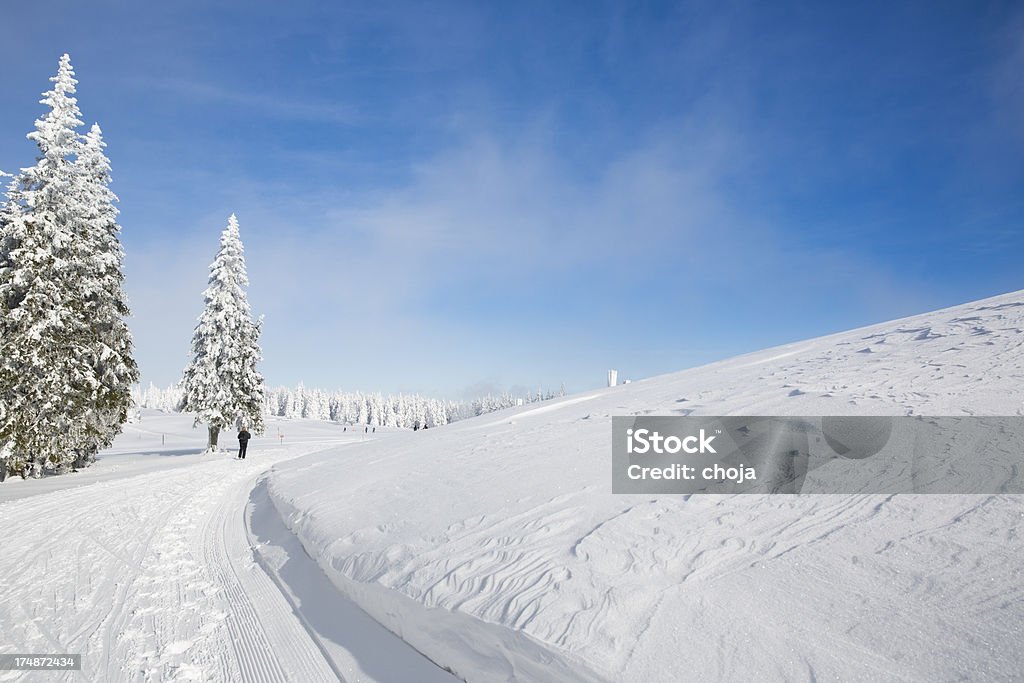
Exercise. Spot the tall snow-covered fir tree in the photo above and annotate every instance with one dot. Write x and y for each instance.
(65, 353)
(105, 303)
(222, 385)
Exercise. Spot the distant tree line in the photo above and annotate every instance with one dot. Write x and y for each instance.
(403, 411)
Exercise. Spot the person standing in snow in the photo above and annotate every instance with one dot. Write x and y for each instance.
(243, 442)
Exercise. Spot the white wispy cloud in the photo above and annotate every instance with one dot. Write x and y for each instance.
(261, 104)
(354, 287)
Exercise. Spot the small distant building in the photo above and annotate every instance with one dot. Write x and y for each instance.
(613, 377)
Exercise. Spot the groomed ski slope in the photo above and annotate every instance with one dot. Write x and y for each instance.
(495, 547)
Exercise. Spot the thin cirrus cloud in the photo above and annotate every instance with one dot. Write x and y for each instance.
(265, 105)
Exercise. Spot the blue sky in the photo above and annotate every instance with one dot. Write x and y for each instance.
(457, 197)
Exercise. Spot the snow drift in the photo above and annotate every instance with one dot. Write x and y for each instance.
(495, 547)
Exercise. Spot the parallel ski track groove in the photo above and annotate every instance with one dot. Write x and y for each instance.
(165, 556)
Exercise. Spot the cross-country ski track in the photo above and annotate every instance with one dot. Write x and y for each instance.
(160, 578)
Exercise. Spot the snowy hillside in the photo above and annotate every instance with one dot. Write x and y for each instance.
(495, 547)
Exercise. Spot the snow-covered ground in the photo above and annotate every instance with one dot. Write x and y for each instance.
(161, 578)
(161, 440)
(495, 547)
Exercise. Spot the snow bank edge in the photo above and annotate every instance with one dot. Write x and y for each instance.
(471, 649)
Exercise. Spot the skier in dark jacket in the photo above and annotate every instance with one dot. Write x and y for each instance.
(243, 442)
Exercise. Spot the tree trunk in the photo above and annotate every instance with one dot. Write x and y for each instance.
(211, 445)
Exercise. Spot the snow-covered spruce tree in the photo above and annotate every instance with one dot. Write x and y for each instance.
(105, 303)
(222, 385)
(56, 346)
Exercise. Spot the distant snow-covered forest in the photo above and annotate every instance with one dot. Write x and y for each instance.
(373, 409)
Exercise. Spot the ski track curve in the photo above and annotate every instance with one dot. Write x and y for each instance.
(155, 580)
